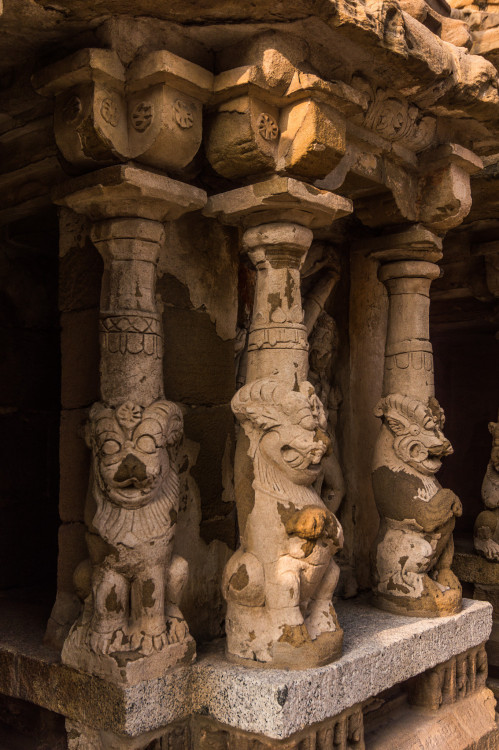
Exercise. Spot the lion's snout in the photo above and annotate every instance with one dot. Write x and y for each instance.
(131, 471)
(443, 449)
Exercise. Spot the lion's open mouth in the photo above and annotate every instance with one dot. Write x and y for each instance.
(432, 463)
(137, 484)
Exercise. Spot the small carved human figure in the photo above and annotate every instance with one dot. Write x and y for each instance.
(279, 584)
(415, 546)
(486, 532)
(131, 514)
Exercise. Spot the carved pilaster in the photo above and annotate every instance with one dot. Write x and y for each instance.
(415, 546)
(131, 627)
(288, 536)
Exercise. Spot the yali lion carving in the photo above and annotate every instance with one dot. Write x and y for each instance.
(279, 584)
(415, 545)
(486, 532)
(131, 516)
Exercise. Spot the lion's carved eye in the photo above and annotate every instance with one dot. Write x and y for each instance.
(146, 444)
(414, 429)
(110, 447)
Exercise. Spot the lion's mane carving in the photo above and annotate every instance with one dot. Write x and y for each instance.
(414, 546)
(279, 584)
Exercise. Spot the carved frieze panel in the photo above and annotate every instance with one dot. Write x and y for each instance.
(451, 680)
(343, 732)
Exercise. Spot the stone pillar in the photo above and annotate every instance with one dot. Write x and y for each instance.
(414, 548)
(277, 341)
(486, 532)
(280, 582)
(131, 627)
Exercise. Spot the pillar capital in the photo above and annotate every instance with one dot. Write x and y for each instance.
(415, 243)
(278, 199)
(126, 191)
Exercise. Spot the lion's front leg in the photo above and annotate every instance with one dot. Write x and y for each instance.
(110, 594)
(322, 616)
(283, 595)
(148, 625)
(442, 573)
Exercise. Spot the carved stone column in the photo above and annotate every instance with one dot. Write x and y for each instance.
(280, 582)
(486, 531)
(415, 545)
(131, 627)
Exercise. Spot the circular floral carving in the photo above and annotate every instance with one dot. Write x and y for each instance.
(142, 116)
(183, 114)
(71, 109)
(109, 111)
(129, 415)
(267, 127)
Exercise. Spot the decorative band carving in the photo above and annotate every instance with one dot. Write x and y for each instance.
(131, 334)
(414, 360)
(278, 337)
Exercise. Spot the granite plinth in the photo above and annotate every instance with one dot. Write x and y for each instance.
(380, 650)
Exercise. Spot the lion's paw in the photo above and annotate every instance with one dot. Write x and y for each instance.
(177, 630)
(102, 643)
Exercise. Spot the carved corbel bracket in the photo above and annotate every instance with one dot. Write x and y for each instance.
(434, 191)
(397, 120)
(150, 112)
(272, 116)
(444, 189)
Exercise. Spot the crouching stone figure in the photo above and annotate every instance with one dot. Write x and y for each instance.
(135, 580)
(415, 546)
(279, 584)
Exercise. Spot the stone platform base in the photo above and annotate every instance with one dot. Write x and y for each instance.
(250, 708)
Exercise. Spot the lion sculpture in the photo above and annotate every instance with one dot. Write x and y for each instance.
(486, 532)
(131, 515)
(414, 548)
(279, 585)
